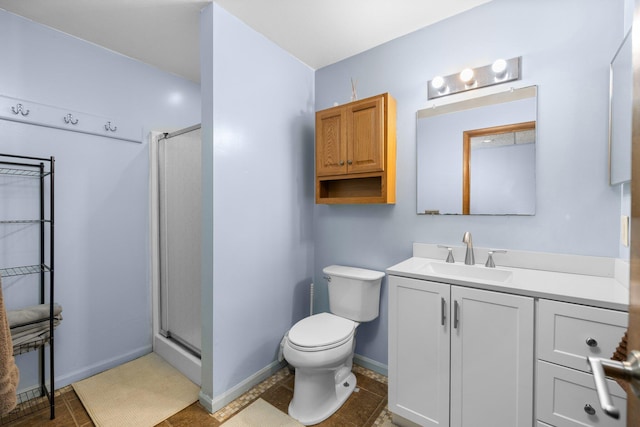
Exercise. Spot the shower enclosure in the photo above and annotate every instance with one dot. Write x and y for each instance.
(176, 246)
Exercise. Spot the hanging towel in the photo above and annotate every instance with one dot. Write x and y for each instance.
(9, 374)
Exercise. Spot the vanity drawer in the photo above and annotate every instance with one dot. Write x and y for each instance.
(568, 333)
(563, 395)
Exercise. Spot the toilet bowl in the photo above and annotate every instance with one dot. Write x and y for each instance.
(321, 347)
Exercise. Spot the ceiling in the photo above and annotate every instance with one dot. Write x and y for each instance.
(165, 33)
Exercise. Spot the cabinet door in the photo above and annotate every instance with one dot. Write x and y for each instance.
(419, 351)
(491, 359)
(331, 142)
(365, 152)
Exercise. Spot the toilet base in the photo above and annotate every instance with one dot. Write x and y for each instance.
(320, 402)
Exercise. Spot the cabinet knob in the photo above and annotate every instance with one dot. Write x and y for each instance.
(341, 162)
(591, 342)
(589, 409)
(349, 162)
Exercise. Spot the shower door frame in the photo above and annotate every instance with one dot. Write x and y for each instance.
(184, 357)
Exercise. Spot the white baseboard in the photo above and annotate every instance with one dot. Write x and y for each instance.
(101, 366)
(371, 364)
(218, 402)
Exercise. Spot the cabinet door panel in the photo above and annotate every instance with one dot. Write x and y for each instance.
(566, 330)
(366, 136)
(563, 394)
(419, 351)
(491, 359)
(331, 142)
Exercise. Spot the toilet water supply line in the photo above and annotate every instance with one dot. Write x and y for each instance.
(284, 339)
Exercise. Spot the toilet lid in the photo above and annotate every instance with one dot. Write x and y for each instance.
(321, 330)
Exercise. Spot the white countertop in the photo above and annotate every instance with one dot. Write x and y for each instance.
(603, 290)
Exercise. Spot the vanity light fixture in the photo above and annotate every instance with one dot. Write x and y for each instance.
(501, 71)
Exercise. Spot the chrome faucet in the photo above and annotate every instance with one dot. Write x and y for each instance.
(490, 262)
(469, 259)
(450, 259)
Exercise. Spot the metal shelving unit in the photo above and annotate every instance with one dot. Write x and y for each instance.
(41, 169)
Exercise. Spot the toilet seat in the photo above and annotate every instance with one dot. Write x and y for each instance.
(321, 331)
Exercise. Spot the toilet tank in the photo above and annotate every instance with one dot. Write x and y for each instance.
(354, 293)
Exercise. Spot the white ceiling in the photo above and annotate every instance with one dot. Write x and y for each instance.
(165, 33)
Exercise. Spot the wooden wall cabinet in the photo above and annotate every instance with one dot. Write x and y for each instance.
(356, 152)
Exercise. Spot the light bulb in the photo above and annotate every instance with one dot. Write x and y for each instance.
(499, 67)
(467, 76)
(437, 83)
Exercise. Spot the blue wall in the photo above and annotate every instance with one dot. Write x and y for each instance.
(258, 118)
(102, 211)
(265, 241)
(566, 47)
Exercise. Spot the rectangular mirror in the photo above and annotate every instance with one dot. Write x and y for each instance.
(620, 108)
(477, 156)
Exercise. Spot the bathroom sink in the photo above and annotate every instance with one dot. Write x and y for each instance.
(469, 272)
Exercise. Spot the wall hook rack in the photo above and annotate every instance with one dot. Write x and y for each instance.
(69, 119)
(35, 113)
(19, 109)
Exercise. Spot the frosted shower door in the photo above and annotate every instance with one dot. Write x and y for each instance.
(180, 241)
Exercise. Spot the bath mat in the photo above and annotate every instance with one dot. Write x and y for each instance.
(261, 414)
(140, 393)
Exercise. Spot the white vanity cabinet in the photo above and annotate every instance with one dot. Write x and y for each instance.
(566, 335)
(459, 356)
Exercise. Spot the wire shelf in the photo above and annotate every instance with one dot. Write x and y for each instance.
(29, 403)
(31, 345)
(20, 167)
(24, 221)
(23, 172)
(21, 271)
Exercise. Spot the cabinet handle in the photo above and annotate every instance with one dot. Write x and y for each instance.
(349, 162)
(341, 162)
(589, 409)
(455, 314)
(443, 306)
(591, 342)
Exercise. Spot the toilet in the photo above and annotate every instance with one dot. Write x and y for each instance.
(321, 347)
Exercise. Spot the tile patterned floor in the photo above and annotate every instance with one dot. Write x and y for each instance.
(366, 407)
